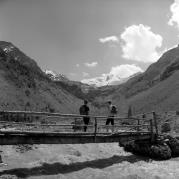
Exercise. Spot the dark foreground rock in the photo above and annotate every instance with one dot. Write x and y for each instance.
(160, 151)
(163, 148)
(173, 143)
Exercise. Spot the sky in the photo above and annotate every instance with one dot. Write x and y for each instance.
(89, 40)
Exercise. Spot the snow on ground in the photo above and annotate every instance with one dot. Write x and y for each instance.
(82, 161)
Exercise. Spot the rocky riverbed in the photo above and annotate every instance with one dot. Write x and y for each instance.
(91, 161)
(162, 147)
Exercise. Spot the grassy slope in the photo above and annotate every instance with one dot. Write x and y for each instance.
(155, 89)
(45, 97)
(23, 86)
(161, 97)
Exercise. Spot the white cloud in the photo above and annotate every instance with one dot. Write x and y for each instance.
(92, 64)
(77, 65)
(140, 43)
(117, 75)
(174, 8)
(124, 71)
(85, 74)
(109, 39)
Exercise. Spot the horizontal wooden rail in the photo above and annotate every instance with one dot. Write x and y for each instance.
(38, 124)
(32, 113)
(141, 125)
(66, 133)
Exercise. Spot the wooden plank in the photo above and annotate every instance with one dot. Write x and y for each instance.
(61, 115)
(69, 133)
(141, 125)
(95, 129)
(14, 139)
(38, 124)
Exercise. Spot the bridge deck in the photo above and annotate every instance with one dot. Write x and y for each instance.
(31, 137)
(22, 127)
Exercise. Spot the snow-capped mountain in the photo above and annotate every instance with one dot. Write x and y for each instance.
(106, 80)
(55, 76)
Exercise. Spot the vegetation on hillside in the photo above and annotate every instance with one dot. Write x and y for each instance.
(24, 86)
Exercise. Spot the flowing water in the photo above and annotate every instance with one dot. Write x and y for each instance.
(82, 161)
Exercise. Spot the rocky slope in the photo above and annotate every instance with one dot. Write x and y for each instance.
(54, 76)
(24, 86)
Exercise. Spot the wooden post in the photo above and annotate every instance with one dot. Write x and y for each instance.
(95, 129)
(75, 125)
(138, 123)
(151, 130)
(155, 123)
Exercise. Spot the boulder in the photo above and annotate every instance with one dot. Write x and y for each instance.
(160, 151)
(173, 143)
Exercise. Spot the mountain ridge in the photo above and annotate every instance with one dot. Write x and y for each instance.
(24, 86)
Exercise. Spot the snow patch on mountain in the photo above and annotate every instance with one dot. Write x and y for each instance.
(106, 80)
(117, 75)
(54, 76)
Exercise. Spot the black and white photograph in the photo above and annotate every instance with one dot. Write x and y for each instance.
(89, 89)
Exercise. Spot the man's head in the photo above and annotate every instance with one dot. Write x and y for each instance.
(85, 102)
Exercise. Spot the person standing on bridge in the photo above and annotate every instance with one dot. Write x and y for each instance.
(112, 111)
(84, 110)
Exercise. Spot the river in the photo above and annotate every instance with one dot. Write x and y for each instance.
(82, 161)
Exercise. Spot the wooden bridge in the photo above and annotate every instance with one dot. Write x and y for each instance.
(27, 127)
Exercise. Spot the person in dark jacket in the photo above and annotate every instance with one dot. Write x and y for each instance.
(84, 110)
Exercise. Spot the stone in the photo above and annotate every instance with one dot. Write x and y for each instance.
(173, 143)
(160, 151)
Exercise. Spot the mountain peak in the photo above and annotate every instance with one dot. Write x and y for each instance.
(10, 51)
(107, 80)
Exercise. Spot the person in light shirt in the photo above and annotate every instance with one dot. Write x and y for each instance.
(111, 115)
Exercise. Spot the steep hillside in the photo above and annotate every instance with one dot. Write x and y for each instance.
(163, 96)
(24, 86)
(153, 75)
(155, 89)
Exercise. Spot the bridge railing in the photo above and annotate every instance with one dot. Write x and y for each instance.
(163, 122)
(72, 123)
